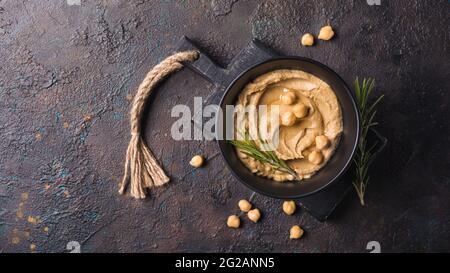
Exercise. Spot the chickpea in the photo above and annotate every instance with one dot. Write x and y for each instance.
(233, 221)
(296, 232)
(290, 177)
(289, 207)
(278, 178)
(242, 155)
(322, 142)
(288, 119)
(253, 166)
(244, 205)
(326, 33)
(288, 98)
(308, 39)
(196, 161)
(254, 215)
(278, 173)
(300, 110)
(315, 157)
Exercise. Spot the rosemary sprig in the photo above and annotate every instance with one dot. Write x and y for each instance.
(364, 153)
(250, 148)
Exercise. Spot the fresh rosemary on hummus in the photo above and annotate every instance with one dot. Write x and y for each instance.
(249, 148)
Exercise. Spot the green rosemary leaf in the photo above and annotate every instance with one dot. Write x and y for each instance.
(251, 149)
(364, 154)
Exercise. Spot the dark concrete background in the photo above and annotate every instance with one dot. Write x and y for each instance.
(66, 78)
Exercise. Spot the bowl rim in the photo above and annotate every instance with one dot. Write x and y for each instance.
(357, 129)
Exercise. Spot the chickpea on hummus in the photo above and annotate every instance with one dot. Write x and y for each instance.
(310, 121)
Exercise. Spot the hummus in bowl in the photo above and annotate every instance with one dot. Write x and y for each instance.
(310, 122)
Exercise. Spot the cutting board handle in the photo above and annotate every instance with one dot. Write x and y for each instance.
(252, 54)
(204, 66)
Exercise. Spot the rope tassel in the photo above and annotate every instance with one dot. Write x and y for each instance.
(142, 171)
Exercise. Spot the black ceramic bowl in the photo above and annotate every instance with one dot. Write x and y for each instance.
(344, 153)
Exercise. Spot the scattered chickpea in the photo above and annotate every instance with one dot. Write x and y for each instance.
(288, 98)
(233, 221)
(315, 157)
(300, 110)
(197, 161)
(15, 240)
(244, 205)
(326, 33)
(289, 207)
(308, 39)
(322, 142)
(296, 232)
(254, 215)
(288, 119)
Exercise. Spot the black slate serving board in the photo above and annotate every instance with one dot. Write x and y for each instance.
(321, 204)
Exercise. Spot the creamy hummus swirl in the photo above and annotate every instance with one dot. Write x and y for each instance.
(306, 136)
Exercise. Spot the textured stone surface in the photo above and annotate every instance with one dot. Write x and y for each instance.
(66, 75)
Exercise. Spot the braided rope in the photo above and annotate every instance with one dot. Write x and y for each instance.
(141, 168)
